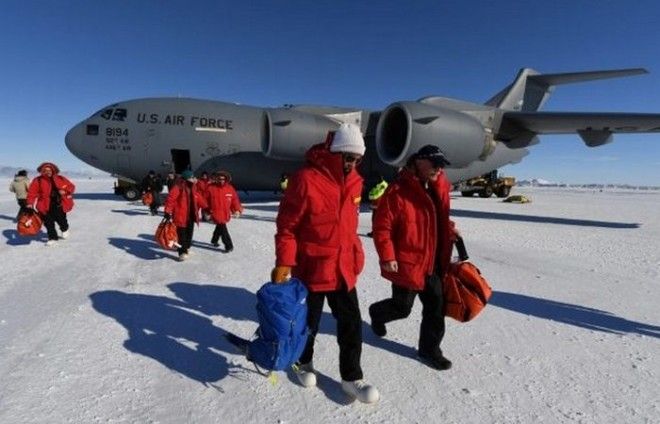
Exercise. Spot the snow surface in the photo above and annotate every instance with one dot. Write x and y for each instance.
(107, 327)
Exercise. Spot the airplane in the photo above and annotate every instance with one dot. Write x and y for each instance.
(256, 145)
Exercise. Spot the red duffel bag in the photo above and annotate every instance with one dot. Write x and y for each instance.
(166, 235)
(147, 198)
(29, 223)
(466, 291)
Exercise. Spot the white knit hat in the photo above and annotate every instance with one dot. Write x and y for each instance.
(348, 139)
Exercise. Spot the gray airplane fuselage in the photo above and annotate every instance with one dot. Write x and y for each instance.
(256, 145)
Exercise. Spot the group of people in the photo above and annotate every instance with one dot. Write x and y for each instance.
(317, 242)
(50, 194)
(215, 197)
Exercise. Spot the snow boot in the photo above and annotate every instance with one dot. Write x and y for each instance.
(65, 234)
(361, 390)
(439, 362)
(305, 374)
(376, 326)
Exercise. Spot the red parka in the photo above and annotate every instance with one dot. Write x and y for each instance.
(203, 185)
(178, 202)
(317, 223)
(40, 189)
(404, 229)
(222, 200)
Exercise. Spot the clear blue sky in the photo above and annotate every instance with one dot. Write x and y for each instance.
(60, 61)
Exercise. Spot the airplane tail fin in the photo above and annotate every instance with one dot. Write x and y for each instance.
(530, 89)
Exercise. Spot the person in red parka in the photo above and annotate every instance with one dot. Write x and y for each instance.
(202, 184)
(414, 237)
(53, 195)
(182, 206)
(317, 242)
(223, 203)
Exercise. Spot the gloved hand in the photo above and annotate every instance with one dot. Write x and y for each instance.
(280, 274)
(167, 216)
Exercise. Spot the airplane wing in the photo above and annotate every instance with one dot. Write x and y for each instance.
(519, 129)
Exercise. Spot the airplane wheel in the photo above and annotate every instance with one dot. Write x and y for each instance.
(131, 194)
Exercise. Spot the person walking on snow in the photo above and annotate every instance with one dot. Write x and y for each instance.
(20, 186)
(153, 184)
(414, 237)
(202, 186)
(53, 195)
(317, 242)
(182, 206)
(223, 203)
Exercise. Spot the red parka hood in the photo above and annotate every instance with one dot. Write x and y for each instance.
(54, 167)
(320, 157)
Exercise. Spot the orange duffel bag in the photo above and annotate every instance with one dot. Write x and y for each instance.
(147, 198)
(166, 235)
(466, 291)
(29, 223)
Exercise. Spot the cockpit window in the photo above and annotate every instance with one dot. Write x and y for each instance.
(111, 112)
(99, 112)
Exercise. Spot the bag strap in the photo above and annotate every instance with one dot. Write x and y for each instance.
(460, 248)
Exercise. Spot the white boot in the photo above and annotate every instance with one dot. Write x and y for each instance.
(305, 374)
(65, 234)
(361, 390)
(51, 242)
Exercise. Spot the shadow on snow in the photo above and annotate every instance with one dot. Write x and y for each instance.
(97, 196)
(577, 315)
(541, 219)
(143, 249)
(15, 239)
(178, 332)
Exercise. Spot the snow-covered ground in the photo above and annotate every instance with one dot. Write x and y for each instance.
(107, 327)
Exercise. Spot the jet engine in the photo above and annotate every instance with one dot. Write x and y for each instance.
(288, 133)
(404, 127)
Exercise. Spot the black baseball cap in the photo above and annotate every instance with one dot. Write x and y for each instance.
(434, 154)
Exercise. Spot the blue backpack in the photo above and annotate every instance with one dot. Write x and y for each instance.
(282, 332)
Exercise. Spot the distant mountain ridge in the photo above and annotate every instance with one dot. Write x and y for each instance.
(10, 171)
(538, 182)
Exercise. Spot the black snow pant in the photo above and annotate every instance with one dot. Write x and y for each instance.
(185, 235)
(155, 203)
(55, 214)
(221, 232)
(345, 308)
(432, 328)
(22, 205)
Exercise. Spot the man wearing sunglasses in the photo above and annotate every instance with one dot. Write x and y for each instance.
(317, 242)
(414, 237)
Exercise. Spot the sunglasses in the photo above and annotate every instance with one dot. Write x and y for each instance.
(351, 158)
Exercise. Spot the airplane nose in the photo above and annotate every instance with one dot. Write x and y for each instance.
(74, 141)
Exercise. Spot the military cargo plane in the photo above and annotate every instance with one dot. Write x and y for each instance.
(256, 145)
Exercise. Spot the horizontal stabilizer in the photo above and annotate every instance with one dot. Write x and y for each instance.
(594, 128)
(530, 90)
(573, 77)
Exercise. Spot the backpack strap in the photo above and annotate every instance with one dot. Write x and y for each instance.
(460, 248)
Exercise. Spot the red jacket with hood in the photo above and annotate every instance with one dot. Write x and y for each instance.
(178, 202)
(317, 223)
(41, 186)
(404, 229)
(222, 200)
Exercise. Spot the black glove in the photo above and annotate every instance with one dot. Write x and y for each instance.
(167, 216)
